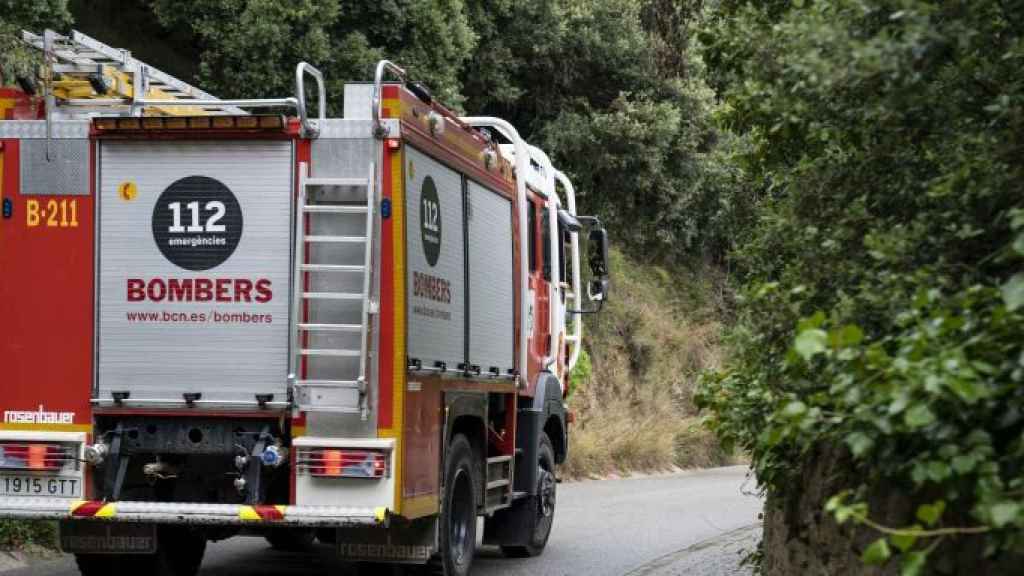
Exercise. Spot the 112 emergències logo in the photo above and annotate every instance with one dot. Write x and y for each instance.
(197, 225)
(426, 285)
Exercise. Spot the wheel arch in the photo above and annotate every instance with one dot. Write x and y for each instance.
(466, 414)
(555, 430)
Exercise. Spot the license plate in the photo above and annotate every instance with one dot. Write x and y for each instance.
(107, 538)
(40, 485)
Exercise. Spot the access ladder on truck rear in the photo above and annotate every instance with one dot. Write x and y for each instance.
(344, 211)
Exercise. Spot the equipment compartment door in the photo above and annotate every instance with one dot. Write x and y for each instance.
(194, 269)
(436, 262)
(46, 276)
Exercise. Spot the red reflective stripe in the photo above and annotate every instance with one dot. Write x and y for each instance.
(87, 509)
(269, 512)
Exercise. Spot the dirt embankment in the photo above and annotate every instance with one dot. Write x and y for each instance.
(632, 394)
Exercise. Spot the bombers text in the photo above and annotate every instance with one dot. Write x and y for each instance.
(199, 290)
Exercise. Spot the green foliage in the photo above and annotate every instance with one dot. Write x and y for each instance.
(881, 295)
(249, 48)
(16, 59)
(581, 373)
(17, 534)
(614, 91)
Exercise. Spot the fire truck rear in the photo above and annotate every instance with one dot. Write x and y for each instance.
(219, 322)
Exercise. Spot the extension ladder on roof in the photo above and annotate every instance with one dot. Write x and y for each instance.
(88, 73)
(331, 306)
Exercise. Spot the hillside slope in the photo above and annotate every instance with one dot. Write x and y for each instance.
(632, 392)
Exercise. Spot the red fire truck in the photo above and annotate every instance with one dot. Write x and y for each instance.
(220, 323)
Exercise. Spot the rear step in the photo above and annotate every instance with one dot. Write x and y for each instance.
(498, 493)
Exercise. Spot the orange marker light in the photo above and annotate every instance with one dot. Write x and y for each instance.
(332, 462)
(37, 456)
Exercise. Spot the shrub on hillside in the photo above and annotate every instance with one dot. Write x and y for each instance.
(881, 298)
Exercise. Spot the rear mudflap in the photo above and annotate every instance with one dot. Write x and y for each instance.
(107, 538)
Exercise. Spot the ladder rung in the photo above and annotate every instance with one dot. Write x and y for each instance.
(336, 182)
(318, 407)
(329, 383)
(331, 352)
(331, 327)
(333, 209)
(332, 295)
(497, 459)
(349, 239)
(497, 483)
(332, 267)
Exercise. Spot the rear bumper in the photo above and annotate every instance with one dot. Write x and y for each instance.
(187, 513)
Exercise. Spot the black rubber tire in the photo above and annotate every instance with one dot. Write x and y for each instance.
(97, 564)
(540, 528)
(180, 552)
(290, 539)
(458, 511)
(327, 535)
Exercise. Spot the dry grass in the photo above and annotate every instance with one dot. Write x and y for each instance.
(647, 349)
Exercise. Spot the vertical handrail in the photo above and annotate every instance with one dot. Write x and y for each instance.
(297, 281)
(555, 319)
(371, 203)
(522, 164)
(576, 340)
(309, 129)
(378, 78)
(49, 101)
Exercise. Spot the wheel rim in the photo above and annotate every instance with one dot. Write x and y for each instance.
(459, 528)
(545, 502)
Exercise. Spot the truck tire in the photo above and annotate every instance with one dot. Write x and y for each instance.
(179, 553)
(290, 539)
(458, 511)
(544, 513)
(97, 564)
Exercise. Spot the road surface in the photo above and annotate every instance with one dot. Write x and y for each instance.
(602, 528)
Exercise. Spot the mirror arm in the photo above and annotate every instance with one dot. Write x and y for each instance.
(600, 305)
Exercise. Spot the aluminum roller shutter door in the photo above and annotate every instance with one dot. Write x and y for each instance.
(491, 285)
(221, 328)
(435, 262)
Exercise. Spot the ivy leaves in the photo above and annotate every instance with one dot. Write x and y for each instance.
(936, 403)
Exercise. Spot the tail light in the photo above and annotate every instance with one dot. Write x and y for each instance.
(342, 463)
(40, 457)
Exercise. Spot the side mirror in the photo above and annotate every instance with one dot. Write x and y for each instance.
(597, 289)
(597, 258)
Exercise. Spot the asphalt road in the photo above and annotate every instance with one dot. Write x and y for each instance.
(602, 528)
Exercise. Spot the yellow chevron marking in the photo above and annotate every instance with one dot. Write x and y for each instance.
(249, 513)
(107, 511)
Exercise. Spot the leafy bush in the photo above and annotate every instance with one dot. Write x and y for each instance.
(17, 534)
(880, 301)
(16, 58)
